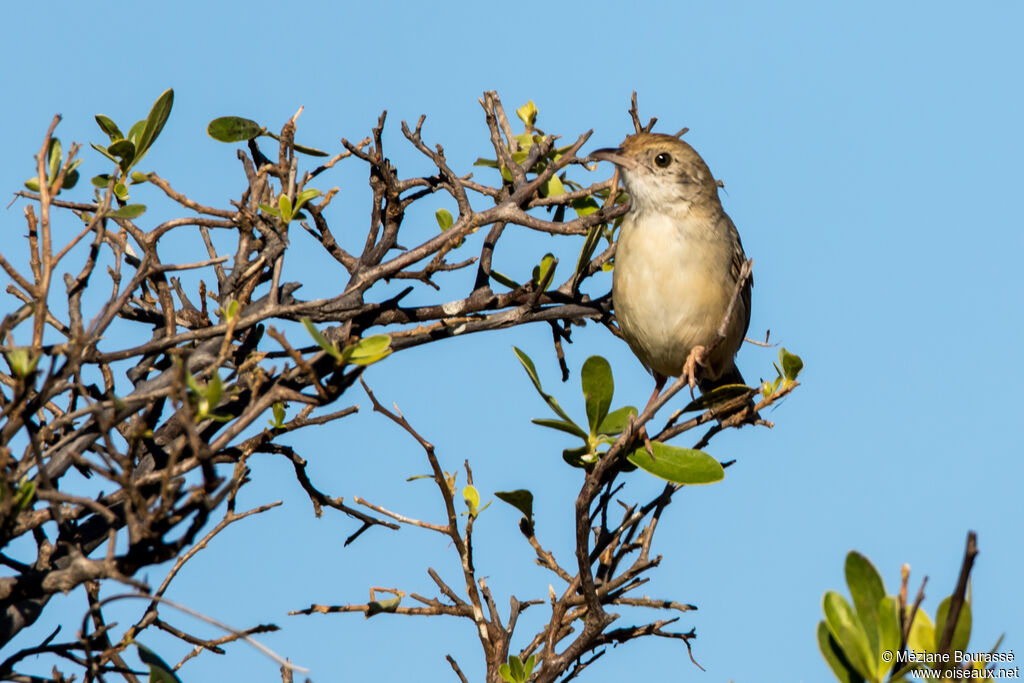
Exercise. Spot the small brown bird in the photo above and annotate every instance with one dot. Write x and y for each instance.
(677, 263)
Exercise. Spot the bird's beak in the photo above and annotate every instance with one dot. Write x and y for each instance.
(614, 155)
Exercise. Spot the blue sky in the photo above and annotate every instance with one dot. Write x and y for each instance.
(871, 155)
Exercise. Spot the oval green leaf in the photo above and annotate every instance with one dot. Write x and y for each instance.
(155, 120)
(521, 499)
(233, 129)
(867, 591)
(678, 465)
(503, 279)
(791, 364)
(129, 211)
(125, 149)
(888, 632)
(833, 654)
(108, 126)
(472, 498)
(444, 219)
(370, 349)
(70, 179)
(516, 666)
(598, 387)
(616, 421)
(561, 425)
(543, 273)
(922, 632)
(848, 633)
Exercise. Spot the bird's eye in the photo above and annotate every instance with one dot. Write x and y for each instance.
(663, 160)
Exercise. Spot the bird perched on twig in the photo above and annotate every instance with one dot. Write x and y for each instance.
(677, 265)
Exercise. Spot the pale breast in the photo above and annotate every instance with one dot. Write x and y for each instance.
(671, 288)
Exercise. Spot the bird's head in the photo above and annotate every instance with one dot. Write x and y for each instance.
(660, 171)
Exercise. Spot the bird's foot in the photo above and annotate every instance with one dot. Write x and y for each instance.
(695, 359)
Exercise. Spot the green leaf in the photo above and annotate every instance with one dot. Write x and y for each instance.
(233, 129)
(125, 149)
(527, 114)
(155, 121)
(579, 457)
(678, 465)
(516, 665)
(528, 666)
(531, 371)
(521, 499)
(70, 178)
(369, 350)
(867, 591)
(129, 211)
(504, 279)
(444, 219)
(311, 151)
(25, 492)
(120, 191)
(214, 389)
(562, 426)
(21, 362)
(589, 247)
(489, 163)
(305, 196)
(321, 340)
(506, 673)
(833, 654)
(139, 177)
(108, 126)
(584, 206)
(135, 131)
(279, 415)
(922, 633)
(716, 396)
(56, 153)
(472, 498)
(598, 387)
(159, 670)
(525, 142)
(846, 628)
(32, 184)
(888, 633)
(271, 210)
(543, 273)
(791, 364)
(101, 181)
(103, 151)
(284, 205)
(553, 187)
(616, 421)
(962, 632)
(381, 606)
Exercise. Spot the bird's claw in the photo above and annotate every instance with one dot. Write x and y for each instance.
(693, 360)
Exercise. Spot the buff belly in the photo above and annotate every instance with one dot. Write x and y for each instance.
(663, 317)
